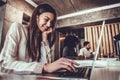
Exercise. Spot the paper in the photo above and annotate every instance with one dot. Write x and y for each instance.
(88, 63)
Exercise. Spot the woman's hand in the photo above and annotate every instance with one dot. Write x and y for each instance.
(62, 63)
(45, 34)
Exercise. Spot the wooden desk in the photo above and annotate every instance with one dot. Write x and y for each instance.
(112, 72)
(33, 77)
(106, 74)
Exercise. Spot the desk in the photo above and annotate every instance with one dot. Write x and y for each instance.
(112, 72)
(33, 77)
(106, 74)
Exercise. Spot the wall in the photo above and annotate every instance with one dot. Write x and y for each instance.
(14, 13)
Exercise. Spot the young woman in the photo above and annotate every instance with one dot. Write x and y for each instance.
(27, 49)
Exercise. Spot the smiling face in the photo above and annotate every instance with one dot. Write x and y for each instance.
(45, 21)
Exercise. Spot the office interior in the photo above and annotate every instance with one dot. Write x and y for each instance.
(81, 18)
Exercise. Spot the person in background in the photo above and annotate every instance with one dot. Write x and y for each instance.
(86, 52)
(28, 49)
(70, 43)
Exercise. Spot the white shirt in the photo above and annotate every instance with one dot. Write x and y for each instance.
(84, 51)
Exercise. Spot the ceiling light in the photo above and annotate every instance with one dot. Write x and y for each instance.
(32, 3)
(89, 11)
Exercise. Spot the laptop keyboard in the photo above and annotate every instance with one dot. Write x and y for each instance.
(82, 72)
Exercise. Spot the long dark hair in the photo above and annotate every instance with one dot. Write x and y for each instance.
(35, 38)
(70, 41)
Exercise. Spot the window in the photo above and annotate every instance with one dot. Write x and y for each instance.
(26, 19)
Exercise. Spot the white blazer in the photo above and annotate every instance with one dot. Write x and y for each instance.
(14, 55)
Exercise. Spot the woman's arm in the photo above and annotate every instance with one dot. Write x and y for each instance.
(10, 56)
(60, 64)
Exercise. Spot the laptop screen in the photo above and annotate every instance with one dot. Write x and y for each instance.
(97, 49)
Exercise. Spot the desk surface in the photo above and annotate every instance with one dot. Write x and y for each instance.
(33, 77)
(106, 74)
(112, 72)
